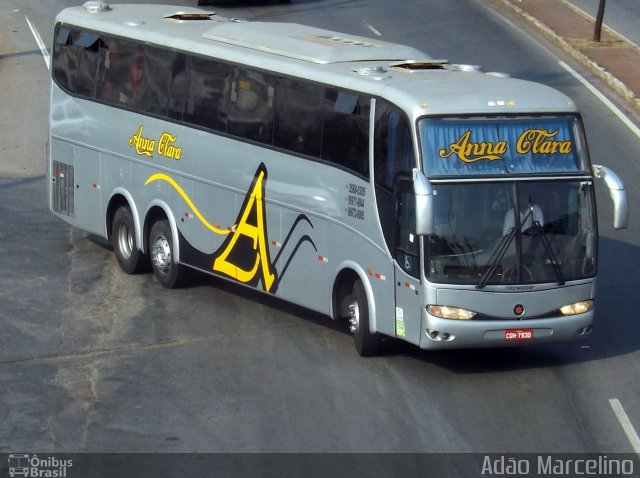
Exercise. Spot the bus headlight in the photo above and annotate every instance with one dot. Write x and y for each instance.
(446, 312)
(577, 308)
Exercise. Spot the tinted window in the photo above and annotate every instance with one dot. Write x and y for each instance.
(298, 116)
(345, 138)
(162, 69)
(65, 58)
(251, 104)
(392, 158)
(123, 80)
(206, 92)
(91, 53)
(293, 114)
(393, 147)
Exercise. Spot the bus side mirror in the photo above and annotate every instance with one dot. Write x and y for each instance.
(618, 195)
(424, 203)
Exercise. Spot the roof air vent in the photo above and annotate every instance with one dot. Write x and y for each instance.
(467, 68)
(373, 72)
(421, 65)
(96, 6)
(189, 17)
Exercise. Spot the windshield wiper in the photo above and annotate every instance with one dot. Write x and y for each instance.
(537, 230)
(500, 251)
(496, 258)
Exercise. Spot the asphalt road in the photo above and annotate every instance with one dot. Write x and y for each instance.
(93, 360)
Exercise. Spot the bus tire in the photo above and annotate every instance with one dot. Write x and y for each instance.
(367, 343)
(168, 273)
(123, 239)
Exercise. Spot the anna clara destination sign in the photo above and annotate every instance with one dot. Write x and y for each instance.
(453, 147)
(535, 141)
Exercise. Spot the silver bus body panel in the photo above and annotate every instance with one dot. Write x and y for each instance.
(491, 334)
(320, 197)
(310, 44)
(541, 313)
(499, 303)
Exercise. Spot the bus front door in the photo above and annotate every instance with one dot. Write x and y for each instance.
(407, 263)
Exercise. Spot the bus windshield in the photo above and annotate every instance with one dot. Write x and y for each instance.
(497, 219)
(512, 233)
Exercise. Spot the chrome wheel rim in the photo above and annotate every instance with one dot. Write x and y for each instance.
(354, 316)
(125, 241)
(161, 255)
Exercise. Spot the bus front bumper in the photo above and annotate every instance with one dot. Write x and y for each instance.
(438, 333)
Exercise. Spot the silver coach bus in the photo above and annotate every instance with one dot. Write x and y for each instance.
(362, 179)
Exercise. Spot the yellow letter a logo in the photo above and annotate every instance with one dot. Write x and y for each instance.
(245, 252)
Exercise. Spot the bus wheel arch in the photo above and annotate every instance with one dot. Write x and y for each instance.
(352, 299)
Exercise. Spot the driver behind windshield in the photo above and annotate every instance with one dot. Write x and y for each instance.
(530, 214)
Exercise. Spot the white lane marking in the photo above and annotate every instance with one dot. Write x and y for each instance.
(375, 32)
(614, 109)
(627, 426)
(41, 45)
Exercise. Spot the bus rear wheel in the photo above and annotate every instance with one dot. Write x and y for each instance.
(123, 239)
(170, 274)
(367, 343)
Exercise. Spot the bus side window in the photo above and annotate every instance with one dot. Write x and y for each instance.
(207, 87)
(177, 94)
(345, 134)
(393, 148)
(123, 80)
(298, 116)
(392, 156)
(406, 241)
(92, 53)
(66, 58)
(250, 106)
(161, 67)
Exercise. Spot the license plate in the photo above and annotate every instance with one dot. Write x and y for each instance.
(518, 334)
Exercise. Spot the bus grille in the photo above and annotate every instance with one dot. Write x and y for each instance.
(62, 188)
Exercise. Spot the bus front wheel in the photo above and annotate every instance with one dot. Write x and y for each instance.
(170, 274)
(367, 343)
(123, 239)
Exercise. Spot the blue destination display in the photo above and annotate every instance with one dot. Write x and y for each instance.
(498, 147)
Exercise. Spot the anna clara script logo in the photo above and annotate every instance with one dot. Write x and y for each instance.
(531, 141)
(34, 466)
(163, 146)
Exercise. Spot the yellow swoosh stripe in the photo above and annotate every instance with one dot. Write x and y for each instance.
(176, 186)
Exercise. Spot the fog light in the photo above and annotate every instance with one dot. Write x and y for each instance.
(584, 330)
(446, 312)
(577, 308)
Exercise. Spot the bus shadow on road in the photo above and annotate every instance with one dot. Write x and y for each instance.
(616, 331)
